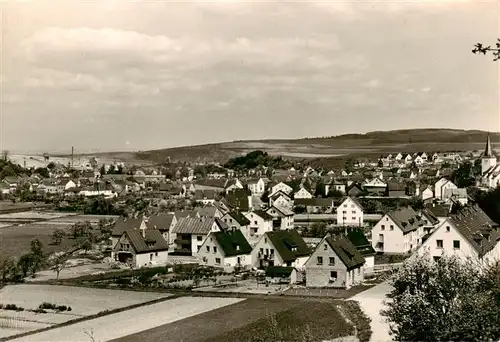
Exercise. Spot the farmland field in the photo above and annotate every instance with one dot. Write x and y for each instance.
(239, 321)
(83, 301)
(134, 320)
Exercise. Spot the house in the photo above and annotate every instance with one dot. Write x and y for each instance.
(260, 223)
(283, 187)
(364, 247)
(140, 248)
(440, 211)
(280, 248)
(441, 187)
(205, 196)
(375, 186)
(126, 224)
(99, 189)
(236, 220)
(334, 263)
(257, 186)
(282, 217)
(315, 205)
(396, 189)
(398, 232)
(281, 275)
(350, 213)
(211, 211)
(12, 181)
(490, 168)
(469, 233)
(234, 184)
(458, 195)
(427, 193)
(303, 192)
(239, 199)
(162, 222)
(190, 233)
(226, 249)
(281, 199)
(354, 190)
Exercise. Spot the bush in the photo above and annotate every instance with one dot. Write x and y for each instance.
(13, 307)
(359, 318)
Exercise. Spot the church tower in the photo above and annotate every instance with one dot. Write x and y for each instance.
(488, 159)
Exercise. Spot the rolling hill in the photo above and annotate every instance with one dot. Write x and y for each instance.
(372, 143)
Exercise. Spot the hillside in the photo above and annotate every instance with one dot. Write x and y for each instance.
(335, 147)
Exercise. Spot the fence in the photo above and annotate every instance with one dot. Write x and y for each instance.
(383, 268)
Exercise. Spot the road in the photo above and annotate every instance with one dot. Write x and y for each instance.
(371, 301)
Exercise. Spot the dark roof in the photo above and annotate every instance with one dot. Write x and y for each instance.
(487, 150)
(286, 240)
(232, 243)
(359, 240)
(406, 219)
(161, 221)
(126, 224)
(153, 240)
(318, 202)
(396, 186)
(239, 217)
(474, 224)
(439, 210)
(280, 193)
(207, 211)
(430, 216)
(347, 252)
(214, 183)
(279, 272)
(186, 213)
(193, 225)
(263, 214)
(205, 194)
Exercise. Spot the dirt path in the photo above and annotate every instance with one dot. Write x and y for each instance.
(131, 321)
(371, 302)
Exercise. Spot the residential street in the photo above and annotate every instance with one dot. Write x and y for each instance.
(371, 302)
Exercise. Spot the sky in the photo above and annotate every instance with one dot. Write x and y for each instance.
(116, 76)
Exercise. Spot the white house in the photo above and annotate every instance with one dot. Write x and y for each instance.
(334, 263)
(190, 232)
(69, 185)
(427, 193)
(141, 247)
(287, 189)
(398, 232)
(227, 250)
(281, 199)
(283, 217)
(260, 223)
(350, 213)
(467, 233)
(303, 193)
(441, 186)
(257, 186)
(280, 248)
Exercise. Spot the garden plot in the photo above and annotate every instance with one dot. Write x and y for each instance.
(83, 302)
(133, 321)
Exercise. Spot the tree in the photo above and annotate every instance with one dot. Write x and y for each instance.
(463, 177)
(111, 169)
(484, 49)
(42, 171)
(320, 189)
(57, 236)
(450, 299)
(37, 256)
(8, 269)
(349, 165)
(380, 163)
(51, 166)
(265, 196)
(25, 264)
(58, 263)
(5, 155)
(102, 171)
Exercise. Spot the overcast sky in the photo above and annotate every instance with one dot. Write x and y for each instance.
(135, 76)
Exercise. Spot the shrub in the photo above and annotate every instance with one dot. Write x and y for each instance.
(13, 307)
(359, 319)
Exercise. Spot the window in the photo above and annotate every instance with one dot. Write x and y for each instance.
(382, 227)
(156, 254)
(332, 261)
(354, 212)
(215, 249)
(208, 248)
(344, 218)
(262, 251)
(391, 227)
(381, 237)
(265, 240)
(267, 251)
(255, 222)
(272, 251)
(199, 238)
(344, 212)
(345, 205)
(333, 274)
(447, 229)
(217, 261)
(325, 247)
(151, 257)
(353, 218)
(205, 259)
(320, 260)
(456, 244)
(439, 243)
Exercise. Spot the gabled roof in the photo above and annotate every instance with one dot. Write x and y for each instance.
(439, 210)
(238, 199)
(192, 225)
(207, 211)
(239, 217)
(232, 242)
(474, 224)
(126, 224)
(430, 216)
(262, 214)
(279, 271)
(354, 200)
(346, 251)
(359, 240)
(406, 219)
(280, 193)
(152, 241)
(161, 221)
(289, 244)
(205, 194)
(186, 213)
(284, 211)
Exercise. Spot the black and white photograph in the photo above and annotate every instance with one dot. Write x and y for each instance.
(249, 170)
